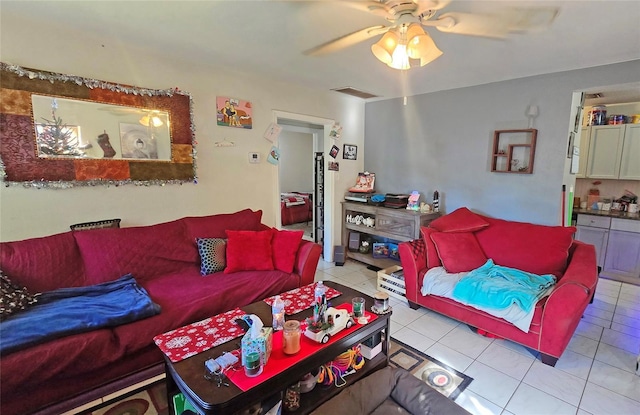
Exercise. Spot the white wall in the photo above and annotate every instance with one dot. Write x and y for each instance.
(296, 161)
(442, 141)
(226, 180)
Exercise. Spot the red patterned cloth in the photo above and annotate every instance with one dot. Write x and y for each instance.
(200, 336)
(300, 299)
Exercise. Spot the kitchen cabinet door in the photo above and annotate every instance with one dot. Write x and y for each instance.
(584, 152)
(630, 162)
(595, 236)
(605, 151)
(623, 254)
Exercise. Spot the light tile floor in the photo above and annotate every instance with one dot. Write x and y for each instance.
(595, 375)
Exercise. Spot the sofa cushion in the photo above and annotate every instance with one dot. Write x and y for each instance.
(144, 251)
(214, 226)
(525, 246)
(13, 298)
(459, 252)
(433, 260)
(285, 246)
(249, 251)
(43, 264)
(460, 220)
(213, 254)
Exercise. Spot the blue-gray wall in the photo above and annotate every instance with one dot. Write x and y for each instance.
(442, 141)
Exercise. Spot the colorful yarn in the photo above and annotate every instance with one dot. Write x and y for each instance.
(335, 371)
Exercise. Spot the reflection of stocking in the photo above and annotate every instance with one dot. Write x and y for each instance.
(105, 145)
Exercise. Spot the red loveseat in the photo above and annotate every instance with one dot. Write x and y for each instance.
(463, 240)
(64, 373)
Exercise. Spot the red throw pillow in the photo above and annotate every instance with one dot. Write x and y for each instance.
(285, 246)
(459, 252)
(460, 220)
(539, 249)
(433, 260)
(249, 251)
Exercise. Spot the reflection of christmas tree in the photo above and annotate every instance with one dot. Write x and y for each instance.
(55, 138)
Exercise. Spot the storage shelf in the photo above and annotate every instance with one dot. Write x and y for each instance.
(395, 225)
(518, 147)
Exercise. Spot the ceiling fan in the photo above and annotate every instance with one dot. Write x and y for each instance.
(405, 38)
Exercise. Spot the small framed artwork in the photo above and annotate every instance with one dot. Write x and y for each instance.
(334, 151)
(334, 166)
(349, 152)
(233, 112)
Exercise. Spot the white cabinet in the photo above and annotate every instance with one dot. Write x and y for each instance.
(605, 151)
(594, 230)
(610, 152)
(623, 251)
(585, 135)
(630, 160)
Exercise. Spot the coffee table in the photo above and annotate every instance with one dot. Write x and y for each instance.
(187, 376)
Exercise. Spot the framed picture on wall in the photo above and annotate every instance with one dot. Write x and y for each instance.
(334, 151)
(349, 152)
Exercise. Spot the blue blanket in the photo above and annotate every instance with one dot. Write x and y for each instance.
(498, 287)
(69, 311)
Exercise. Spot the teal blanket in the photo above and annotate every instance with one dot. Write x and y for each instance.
(495, 286)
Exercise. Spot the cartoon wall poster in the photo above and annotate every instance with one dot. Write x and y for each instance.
(233, 112)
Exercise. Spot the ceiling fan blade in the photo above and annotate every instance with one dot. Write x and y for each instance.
(426, 5)
(346, 40)
(374, 7)
(494, 25)
(487, 25)
(527, 20)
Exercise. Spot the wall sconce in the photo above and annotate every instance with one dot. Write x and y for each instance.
(532, 113)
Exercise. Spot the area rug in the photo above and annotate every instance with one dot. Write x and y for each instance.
(150, 401)
(434, 373)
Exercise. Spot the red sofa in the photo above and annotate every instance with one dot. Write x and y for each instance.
(164, 259)
(463, 240)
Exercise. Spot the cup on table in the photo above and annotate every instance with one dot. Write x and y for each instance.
(358, 307)
(632, 208)
(583, 205)
(253, 365)
(381, 301)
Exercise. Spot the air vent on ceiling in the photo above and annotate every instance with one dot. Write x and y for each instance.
(354, 92)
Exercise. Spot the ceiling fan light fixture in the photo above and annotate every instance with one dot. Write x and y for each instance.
(384, 48)
(424, 48)
(400, 58)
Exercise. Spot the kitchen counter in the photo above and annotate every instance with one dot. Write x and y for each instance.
(608, 213)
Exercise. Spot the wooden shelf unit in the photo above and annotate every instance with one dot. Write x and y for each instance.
(399, 225)
(511, 147)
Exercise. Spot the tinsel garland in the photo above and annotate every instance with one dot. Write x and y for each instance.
(91, 84)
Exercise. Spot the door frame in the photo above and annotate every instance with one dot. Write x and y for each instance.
(329, 183)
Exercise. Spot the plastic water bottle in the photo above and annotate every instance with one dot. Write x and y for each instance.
(277, 312)
(319, 302)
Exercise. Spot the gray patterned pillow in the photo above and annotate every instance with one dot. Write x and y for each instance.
(14, 298)
(212, 255)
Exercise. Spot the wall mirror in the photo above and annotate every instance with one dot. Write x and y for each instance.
(61, 131)
(74, 128)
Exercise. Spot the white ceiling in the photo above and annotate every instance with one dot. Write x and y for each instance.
(268, 37)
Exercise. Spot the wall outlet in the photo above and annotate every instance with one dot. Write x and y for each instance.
(254, 157)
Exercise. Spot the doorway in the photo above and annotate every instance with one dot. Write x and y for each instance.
(312, 133)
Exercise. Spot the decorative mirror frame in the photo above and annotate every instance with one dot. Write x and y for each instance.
(19, 161)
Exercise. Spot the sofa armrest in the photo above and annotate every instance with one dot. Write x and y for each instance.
(564, 307)
(413, 257)
(307, 261)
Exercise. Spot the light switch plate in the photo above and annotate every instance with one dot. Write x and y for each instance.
(254, 157)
